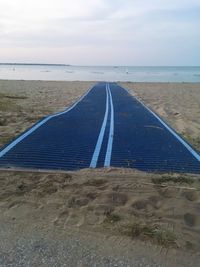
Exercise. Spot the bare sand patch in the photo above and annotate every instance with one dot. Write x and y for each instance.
(107, 200)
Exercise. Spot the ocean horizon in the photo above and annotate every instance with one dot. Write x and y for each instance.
(66, 72)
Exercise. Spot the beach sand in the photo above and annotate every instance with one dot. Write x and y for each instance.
(131, 210)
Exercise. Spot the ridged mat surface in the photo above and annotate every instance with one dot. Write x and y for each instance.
(107, 127)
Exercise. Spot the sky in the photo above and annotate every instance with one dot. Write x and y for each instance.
(101, 32)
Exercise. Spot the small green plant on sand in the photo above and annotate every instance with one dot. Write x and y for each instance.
(167, 178)
(154, 233)
(112, 218)
(95, 182)
(195, 141)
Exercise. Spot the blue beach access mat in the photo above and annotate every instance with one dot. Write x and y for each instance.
(106, 127)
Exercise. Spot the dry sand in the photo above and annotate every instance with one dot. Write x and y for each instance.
(161, 211)
(124, 207)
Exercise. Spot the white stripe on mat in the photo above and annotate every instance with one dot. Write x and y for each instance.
(111, 133)
(96, 153)
(186, 145)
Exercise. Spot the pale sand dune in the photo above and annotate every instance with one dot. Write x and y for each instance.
(117, 203)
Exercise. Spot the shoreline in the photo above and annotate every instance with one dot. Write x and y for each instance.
(98, 81)
(102, 73)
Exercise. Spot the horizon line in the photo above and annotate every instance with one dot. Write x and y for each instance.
(75, 65)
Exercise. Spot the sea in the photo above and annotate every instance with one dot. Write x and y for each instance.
(60, 72)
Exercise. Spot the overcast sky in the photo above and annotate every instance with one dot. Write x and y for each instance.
(100, 32)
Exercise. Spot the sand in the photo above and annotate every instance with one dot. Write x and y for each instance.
(126, 207)
(161, 212)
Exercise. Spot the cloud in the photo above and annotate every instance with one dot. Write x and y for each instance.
(110, 31)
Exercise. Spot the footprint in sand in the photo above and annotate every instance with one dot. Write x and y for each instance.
(20, 209)
(91, 218)
(74, 220)
(69, 218)
(191, 195)
(191, 220)
(61, 218)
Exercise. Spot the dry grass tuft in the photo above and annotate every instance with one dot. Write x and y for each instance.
(154, 233)
(182, 179)
(95, 182)
(112, 218)
(195, 141)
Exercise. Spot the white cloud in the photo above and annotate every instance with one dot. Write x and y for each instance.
(107, 30)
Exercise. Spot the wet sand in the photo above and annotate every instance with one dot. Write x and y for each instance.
(161, 212)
